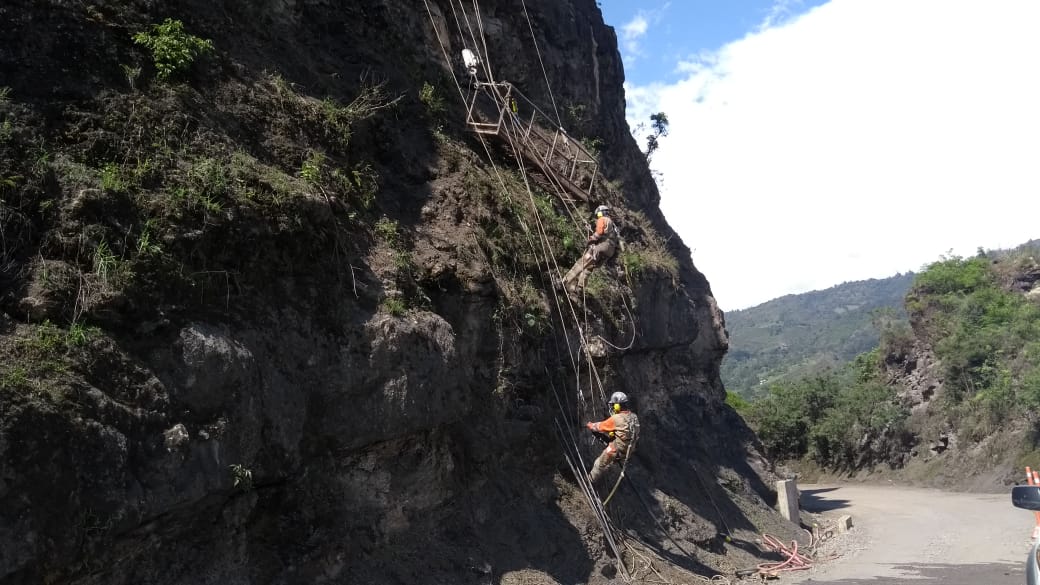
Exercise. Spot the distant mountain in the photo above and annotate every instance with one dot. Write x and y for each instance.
(798, 335)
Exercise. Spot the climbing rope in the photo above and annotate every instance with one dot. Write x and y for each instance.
(574, 462)
(487, 151)
(571, 211)
(476, 46)
(534, 41)
(559, 192)
(483, 38)
(624, 466)
(569, 441)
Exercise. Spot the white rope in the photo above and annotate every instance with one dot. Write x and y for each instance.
(476, 44)
(539, 53)
(483, 38)
(501, 181)
(582, 476)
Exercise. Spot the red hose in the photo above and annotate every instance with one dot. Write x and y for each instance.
(795, 561)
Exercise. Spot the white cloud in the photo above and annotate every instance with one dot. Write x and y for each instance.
(635, 27)
(855, 141)
(634, 30)
(779, 12)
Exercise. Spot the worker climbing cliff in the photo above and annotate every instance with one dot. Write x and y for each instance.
(278, 311)
(621, 429)
(601, 246)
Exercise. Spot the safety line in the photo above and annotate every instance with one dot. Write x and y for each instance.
(483, 38)
(539, 53)
(476, 45)
(582, 476)
(462, 98)
(549, 256)
(559, 191)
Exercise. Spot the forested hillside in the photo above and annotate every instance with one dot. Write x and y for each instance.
(799, 335)
(950, 397)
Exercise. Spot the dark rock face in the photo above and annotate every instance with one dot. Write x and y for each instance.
(259, 418)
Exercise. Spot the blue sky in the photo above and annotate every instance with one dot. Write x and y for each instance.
(677, 29)
(818, 142)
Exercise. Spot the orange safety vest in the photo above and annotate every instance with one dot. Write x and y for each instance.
(623, 427)
(604, 228)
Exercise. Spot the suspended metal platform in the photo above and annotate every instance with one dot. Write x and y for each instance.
(495, 109)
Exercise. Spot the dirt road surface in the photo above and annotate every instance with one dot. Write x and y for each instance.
(907, 535)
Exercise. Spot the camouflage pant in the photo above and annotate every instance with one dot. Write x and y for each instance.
(596, 256)
(613, 452)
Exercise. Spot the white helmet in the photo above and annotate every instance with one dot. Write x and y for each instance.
(602, 209)
(619, 399)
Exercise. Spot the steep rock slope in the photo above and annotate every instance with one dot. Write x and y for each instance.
(968, 369)
(271, 321)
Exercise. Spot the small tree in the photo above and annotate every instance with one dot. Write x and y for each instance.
(173, 50)
(659, 128)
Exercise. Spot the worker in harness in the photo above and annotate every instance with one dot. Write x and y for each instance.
(602, 245)
(622, 428)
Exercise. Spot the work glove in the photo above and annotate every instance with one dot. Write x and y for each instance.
(591, 426)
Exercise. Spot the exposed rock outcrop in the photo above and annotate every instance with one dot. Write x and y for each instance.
(266, 385)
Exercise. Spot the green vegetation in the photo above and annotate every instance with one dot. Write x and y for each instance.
(558, 228)
(597, 286)
(338, 120)
(312, 168)
(241, 477)
(131, 74)
(986, 337)
(107, 267)
(737, 402)
(386, 229)
(80, 335)
(576, 114)
(510, 231)
(526, 308)
(112, 178)
(146, 242)
(848, 420)
(41, 353)
(658, 128)
(649, 254)
(984, 331)
(592, 145)
(173, 49)
(640, 260)
(434, 103)
(359, 186)
(395, 306)
(803, 335)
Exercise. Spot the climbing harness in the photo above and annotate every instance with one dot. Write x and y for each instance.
(624, 465)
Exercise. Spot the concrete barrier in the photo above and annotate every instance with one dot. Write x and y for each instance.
(787, 499)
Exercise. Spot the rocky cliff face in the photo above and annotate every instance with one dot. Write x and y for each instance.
(269, 321)
(964, 437)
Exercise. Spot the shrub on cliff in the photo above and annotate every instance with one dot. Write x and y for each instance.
(844, 420)
(173, 49)
(986, 337)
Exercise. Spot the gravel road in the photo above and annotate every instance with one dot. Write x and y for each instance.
(914, 535)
